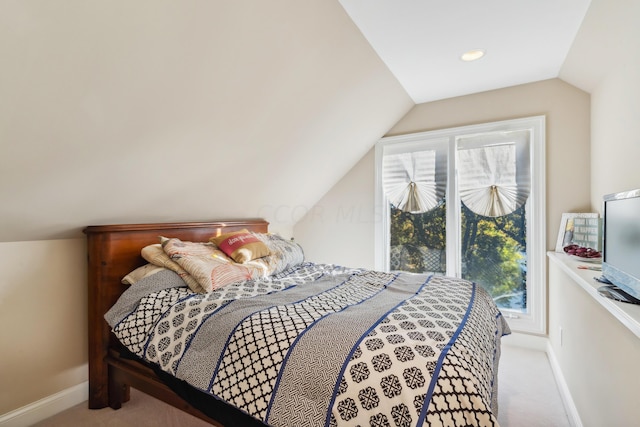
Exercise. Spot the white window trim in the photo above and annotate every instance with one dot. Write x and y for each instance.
(535, 320)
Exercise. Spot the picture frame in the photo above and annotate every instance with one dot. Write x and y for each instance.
(565, 232)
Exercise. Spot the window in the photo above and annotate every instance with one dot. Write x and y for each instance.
(469, 202)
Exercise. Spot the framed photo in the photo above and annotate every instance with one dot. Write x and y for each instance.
(567, 228)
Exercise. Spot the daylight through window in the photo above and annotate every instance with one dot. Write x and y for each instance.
(465, 202)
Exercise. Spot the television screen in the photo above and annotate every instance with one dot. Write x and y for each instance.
(621, 251)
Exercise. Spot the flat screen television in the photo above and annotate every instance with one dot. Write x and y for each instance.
(621, 241)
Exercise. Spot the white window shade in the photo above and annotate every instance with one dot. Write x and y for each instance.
(412, 181)
(494, 174)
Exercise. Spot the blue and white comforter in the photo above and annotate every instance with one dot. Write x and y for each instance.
(320, 345)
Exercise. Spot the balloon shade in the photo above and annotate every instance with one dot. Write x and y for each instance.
(490, 183)
(409, 181)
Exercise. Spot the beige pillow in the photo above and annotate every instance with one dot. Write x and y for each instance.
(208, 265)
(156, 255)
(140, 273)
(242, 246)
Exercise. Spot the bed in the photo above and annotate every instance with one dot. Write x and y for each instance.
(303, 345)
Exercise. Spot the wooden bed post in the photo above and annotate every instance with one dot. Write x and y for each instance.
(103, 292)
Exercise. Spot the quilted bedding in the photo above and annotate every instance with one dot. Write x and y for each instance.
(320, 345)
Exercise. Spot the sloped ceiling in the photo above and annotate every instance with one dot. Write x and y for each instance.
(144, 111)
(421, 41)
(607, 37)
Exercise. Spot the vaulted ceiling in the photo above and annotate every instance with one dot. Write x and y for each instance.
(422, 41)
(156, 110)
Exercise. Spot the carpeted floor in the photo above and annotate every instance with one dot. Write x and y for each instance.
(527, 391)
(528, 397)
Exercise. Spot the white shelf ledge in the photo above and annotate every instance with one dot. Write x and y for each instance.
(627, 314)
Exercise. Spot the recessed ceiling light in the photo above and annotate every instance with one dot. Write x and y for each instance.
(472, 55)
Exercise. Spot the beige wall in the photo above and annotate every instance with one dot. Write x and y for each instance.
(615, 129)
(339, 229)
(598, 356)
(157, 110)
(605, 61)
(567, 162)
(44, 322)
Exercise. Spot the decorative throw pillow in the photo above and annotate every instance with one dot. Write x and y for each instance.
(242, 246)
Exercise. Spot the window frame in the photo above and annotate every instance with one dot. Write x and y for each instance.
(534, 321)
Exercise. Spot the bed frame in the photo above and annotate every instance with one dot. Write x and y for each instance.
(114, 251)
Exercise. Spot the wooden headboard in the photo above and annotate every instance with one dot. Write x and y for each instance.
(114, 251)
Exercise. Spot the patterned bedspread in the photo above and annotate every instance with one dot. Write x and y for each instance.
(319, 345)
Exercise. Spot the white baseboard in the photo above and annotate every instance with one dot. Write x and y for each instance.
(569, 405)
(47, 407)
